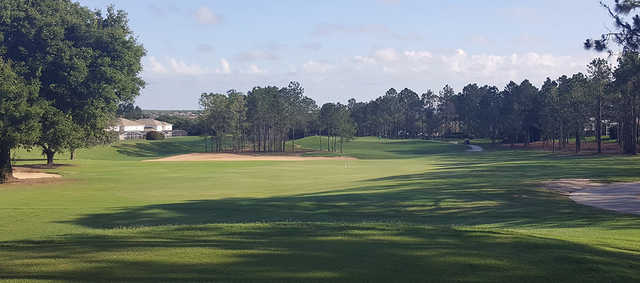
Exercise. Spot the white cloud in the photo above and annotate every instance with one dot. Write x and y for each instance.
(173, 66)
(386, 54)
(390, 56)
(366, 75)
(182, 68)
(457, 61)
(225, 68)
(176, 67)
(156, 66)
(206, 17)
(418, 55)
(254, 69)
(316, 67)
(364, 59)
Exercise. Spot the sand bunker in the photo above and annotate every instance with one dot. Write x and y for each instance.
(621, 197)
(243, 157)
(29, 174)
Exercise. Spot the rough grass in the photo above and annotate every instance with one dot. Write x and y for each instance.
(406, 211)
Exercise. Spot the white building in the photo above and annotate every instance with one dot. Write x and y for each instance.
(128, 129)
(125, 125)
(155, 125)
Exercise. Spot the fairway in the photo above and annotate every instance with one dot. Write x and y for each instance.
(405, 210)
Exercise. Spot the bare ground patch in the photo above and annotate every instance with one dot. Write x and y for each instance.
(620, 197)
(28, 173)
(245, 157)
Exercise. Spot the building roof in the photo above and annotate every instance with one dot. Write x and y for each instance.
(152, 123)
(126, 122)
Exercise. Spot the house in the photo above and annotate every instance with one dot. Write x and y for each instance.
(155, 125)
(125, 125)
(137, 129)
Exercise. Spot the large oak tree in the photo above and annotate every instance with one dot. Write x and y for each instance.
(86, 62)
(19, 116)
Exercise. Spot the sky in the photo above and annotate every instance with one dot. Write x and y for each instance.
(354, 49)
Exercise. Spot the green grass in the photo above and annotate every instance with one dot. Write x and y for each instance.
(407, 210)
(375, 148)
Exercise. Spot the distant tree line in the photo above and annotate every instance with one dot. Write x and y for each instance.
(265, 118)
(561, 110)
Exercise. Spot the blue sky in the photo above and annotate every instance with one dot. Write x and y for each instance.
(344, 49)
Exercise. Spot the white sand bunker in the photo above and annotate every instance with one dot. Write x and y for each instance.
(243, 157)
(621, 197)
(26, 174)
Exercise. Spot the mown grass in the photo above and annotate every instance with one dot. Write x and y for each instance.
(407, 210)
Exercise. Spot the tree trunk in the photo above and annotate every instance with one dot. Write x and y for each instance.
(50, 155)
(561, 141)
(72, 155)
(328, 141)
(629, 130)
(577, 141)
(6, 171)
(628, 140)
(293, 141)
(599, 125)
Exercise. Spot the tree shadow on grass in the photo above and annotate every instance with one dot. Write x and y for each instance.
(159, 148)
(308, 252)
(409, 227)
(498, 191)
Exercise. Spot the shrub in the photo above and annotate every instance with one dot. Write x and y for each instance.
(154, 136)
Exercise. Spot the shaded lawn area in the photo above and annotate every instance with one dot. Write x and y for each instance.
(124, 150)
(317, 251)
(421, 216)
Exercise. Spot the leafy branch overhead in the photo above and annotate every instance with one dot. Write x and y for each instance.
(627, 33)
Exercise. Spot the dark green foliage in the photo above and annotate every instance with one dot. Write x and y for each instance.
(129, 111)
(154, 136)
(262, 120)
(86, 62)
(627, 82)
(337, 123)
(58, 133)
(19, 116)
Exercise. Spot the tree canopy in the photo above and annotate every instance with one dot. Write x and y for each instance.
(85, 63)
(19, 115)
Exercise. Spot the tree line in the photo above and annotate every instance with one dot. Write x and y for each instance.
(561, 110)
(265, 118)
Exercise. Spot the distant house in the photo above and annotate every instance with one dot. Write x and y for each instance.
(155, 125)
(137, 129)
(125, 125)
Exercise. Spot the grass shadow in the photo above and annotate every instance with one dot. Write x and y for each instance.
(315, 252)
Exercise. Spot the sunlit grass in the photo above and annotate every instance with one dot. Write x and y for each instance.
(406, 210)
